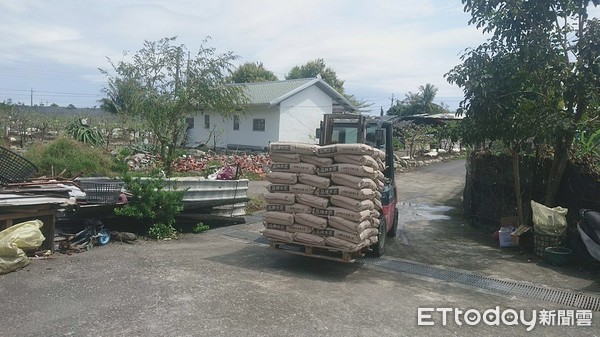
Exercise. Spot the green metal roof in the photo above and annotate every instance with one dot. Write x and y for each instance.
(267, 92)
(273, 93)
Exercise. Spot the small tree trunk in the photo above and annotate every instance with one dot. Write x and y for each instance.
(559, 164)
(517, 182)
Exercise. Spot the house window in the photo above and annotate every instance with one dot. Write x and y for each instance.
(258, 124)
(189, 122)
(236, 123)
(207, 121)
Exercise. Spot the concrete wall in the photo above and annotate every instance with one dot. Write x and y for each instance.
(302, 113)
(243, 138)
(294, 120)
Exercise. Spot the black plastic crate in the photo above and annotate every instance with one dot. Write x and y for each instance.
(101, 191)
(14, 168)
(543, 241)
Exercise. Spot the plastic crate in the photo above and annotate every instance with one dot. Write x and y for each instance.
(101, 191)
(543, 241)
(14, 168)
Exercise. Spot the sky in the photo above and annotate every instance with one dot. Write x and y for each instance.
(50, 51)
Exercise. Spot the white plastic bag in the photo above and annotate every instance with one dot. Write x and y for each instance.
(549, 221)
(14, 239)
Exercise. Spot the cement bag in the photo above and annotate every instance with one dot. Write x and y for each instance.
(351, 204)
(364, 160)
(312, 200)
(313, 180)
(14, 239)
(343, 213)
(375, 222)
(310, 220)
(278, 235)
(298, 148)
(282, 177)
(280, 198)
(295, 208)
(353, 170)
(378, 154)
(362, 194)
(285, 157)
(345, 245)
(549, 221)
(328, 231)
(349, 225)
(378, 204)
(353, 237)
(309, 239)
(280, 218)
(294, 167)
(353, 181)
(298, 228)
(355, 149)
(275, 226)
(317, 161)
(295, 188)
(380, 164)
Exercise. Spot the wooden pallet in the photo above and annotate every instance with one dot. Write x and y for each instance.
(320, 252)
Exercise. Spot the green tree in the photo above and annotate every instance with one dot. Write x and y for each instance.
(317, 68)
(535, 78)
(418, 103)
(251, 72)
(163, 84)
(428, 92)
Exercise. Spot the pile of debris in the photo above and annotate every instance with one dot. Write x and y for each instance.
(203, 162)
(247, 163)
(324, 195)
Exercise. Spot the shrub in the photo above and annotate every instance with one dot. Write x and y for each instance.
(200, 227)
(75, 158)
(161, 231)
(152, 204)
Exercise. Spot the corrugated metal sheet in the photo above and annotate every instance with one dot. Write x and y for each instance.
(200, 189)
(266, 92)
(238, 209)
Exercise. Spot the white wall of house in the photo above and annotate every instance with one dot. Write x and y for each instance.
(301, 115)
(245, 136)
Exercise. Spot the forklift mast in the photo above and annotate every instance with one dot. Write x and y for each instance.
(353, 128)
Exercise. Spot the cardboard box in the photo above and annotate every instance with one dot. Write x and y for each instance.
(517, 233)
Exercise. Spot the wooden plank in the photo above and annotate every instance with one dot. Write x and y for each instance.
(321, 252)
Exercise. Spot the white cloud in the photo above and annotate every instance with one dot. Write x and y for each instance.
(378, 47)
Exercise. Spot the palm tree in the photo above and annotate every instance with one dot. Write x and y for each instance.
(428, 93)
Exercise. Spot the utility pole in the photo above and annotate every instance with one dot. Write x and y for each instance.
(31, 102)
(392, 103)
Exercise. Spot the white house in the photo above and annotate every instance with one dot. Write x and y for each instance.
(289, 110)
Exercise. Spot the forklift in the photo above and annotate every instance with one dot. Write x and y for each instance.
(339, 128)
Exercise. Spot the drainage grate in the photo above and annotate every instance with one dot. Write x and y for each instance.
(577, 300)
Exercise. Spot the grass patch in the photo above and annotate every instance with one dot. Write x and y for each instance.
(72, 157)
(256, 204)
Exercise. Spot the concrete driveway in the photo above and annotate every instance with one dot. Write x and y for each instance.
(227, 282)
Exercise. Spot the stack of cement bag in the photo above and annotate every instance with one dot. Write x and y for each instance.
(324, 195)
